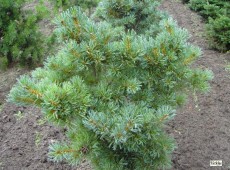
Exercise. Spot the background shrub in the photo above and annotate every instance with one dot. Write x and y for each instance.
(217, 15)
(218, 32)
(133, 15)
(20, 40)
(84, 4)
(211, 8)
(3, 63)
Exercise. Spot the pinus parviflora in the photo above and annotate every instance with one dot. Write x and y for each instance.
(114, 91)
(139, 15)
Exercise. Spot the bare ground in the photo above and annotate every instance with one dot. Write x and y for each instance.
(203, 132)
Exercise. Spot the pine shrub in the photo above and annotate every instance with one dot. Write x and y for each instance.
(20, 40)
(65, 4)
(217, 15)
(132, 14)
(218, 32)
(211, 8)
(114, 91)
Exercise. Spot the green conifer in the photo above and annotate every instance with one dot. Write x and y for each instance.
(114, 91)
(84, 4)
(217, 15)
(139, 15)
(20, 40)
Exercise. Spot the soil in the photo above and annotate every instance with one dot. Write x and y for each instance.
(201, 128)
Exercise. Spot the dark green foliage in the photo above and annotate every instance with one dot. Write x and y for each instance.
(199, 4)
(3, 63)
(211, 8)
(185, 1)
(62, 3)
(20, 40)
(217, 15)
(218, 31)
(132, 14)
(113, 91)
(42, 12)
(65, 4)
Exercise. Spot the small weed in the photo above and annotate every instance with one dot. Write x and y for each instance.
(2, 165)
(38, 139)
(41, 121)
(228, 68)
(19, 115)
(228, 166)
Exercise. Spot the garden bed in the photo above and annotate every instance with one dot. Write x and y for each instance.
(201, 128)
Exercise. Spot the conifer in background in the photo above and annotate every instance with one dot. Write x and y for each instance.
(141, 16)
(211, 8)
(217, 15)
(20, 40)
(218, 31)
(114, 91)
(84, 4)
